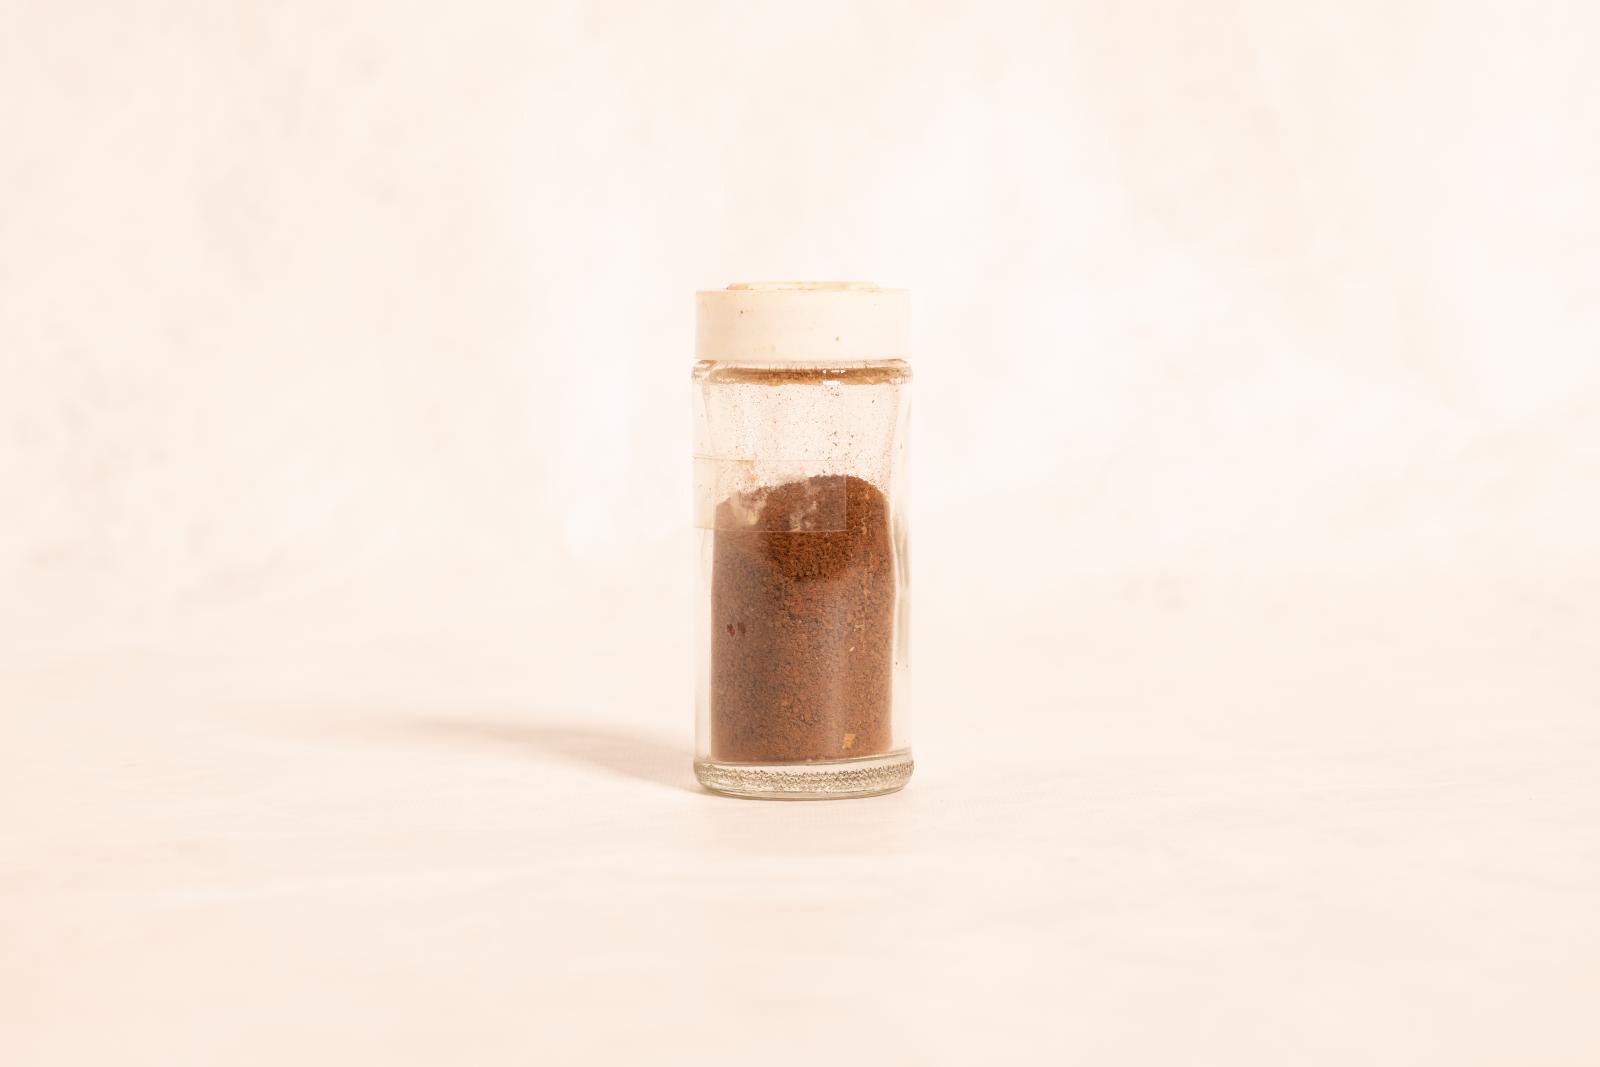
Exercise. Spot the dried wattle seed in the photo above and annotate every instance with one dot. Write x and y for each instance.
(814, 680)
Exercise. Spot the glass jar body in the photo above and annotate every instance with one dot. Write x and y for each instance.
(803, 596)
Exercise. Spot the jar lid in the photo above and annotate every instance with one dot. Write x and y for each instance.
(798, 322)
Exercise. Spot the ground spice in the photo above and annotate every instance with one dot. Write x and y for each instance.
(802, 644)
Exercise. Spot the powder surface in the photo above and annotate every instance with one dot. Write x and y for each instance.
(802, 643)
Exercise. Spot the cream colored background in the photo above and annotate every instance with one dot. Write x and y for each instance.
(344, 565)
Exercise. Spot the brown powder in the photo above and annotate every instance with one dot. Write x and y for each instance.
(802, 642)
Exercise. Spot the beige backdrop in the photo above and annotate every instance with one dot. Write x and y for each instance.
(344, 564)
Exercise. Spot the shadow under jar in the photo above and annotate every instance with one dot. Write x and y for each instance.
(802, 397)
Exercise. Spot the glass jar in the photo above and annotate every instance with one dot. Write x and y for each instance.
(801, 402)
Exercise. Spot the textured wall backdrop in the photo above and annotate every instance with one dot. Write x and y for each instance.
(321, 321)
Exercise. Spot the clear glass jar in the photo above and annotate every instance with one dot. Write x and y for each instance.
(803, 679)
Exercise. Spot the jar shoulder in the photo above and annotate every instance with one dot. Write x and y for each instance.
(730, 372)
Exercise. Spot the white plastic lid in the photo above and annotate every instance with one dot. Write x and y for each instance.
(795, 322)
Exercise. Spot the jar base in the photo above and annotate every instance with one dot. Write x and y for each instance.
(863, 776)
